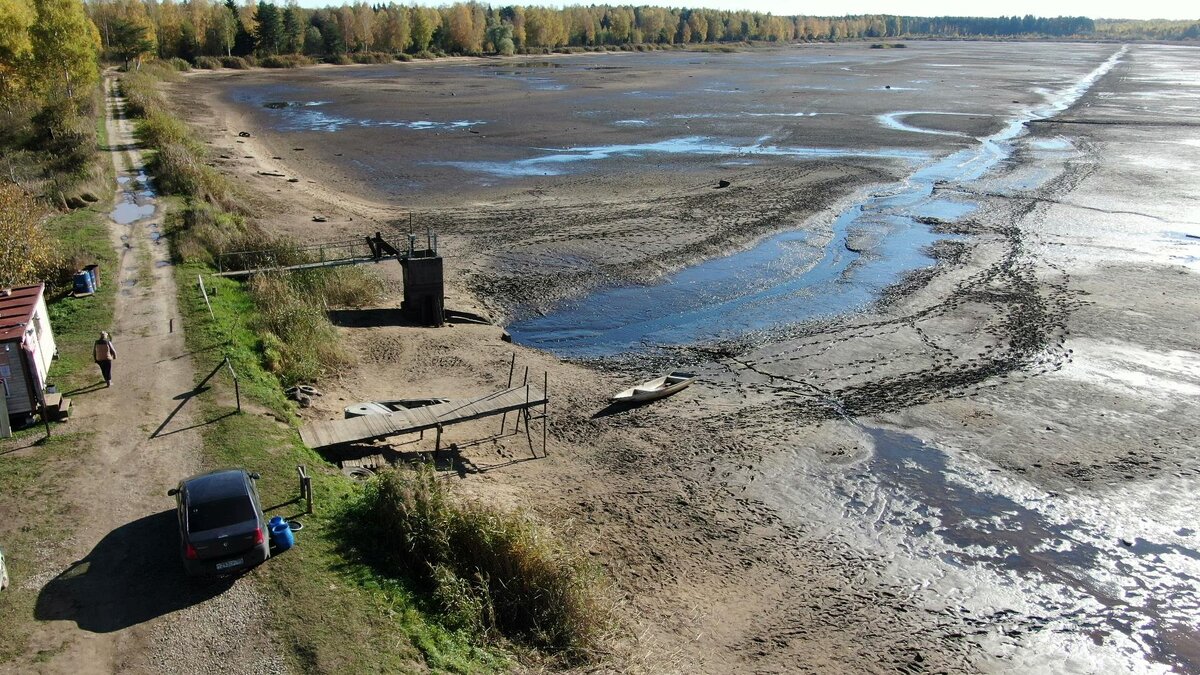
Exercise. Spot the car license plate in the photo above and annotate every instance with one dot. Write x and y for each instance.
(229, 563)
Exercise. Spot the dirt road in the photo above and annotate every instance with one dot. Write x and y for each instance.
(124, 605)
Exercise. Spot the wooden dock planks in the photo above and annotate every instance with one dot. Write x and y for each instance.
(371, 427)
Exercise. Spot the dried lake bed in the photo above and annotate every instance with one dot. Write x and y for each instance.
(943, 312)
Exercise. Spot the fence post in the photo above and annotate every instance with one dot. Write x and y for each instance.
(305, 488)
(237, 388)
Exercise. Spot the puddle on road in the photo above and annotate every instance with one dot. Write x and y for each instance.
(131, 206)
(786, 279)
(1144, 590)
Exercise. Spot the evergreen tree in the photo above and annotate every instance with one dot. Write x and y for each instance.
(128, 41)
(269, 33)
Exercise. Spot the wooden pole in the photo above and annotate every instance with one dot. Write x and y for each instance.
(305, 488)
(545, 409)
(511, 365)
(524, 383)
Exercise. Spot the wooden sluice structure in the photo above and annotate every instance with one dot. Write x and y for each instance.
(520, 400)
(424, 284)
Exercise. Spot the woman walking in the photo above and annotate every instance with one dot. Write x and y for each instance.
(104, 354)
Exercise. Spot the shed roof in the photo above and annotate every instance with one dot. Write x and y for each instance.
(16, 310)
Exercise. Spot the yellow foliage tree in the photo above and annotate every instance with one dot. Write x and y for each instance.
(27, 253)
(16, 16)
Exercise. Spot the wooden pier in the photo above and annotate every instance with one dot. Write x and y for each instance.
(519, 399)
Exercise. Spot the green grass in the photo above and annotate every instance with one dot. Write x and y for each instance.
(334, 615)
(83, 237)
(35, 516)
(491, 572)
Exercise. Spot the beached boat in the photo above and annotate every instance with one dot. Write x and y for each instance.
(385, 407)
(660, 387)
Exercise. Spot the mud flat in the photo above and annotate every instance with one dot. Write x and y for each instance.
(987, 464)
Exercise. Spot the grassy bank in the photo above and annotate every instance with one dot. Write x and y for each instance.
(336, 604)
(335, 615)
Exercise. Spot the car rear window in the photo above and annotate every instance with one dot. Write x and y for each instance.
(220, 513)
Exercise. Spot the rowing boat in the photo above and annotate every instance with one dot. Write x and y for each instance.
(385, 407)
(660, 387)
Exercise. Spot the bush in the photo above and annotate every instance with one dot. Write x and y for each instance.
(67, 135)
(27, 253)
(404, 57)
(339, 286)
(180, 65)
(338, 59)
(235, 62)
(425, 54)
(486, 570)
(208, 62)
(372, 57)
(285, 61)
(299, 342)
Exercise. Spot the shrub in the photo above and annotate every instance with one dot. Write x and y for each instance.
(180, 65)
(67, 135)
(285, 61)
(338, 59)
(372, 57)
(485, 569)
(300, 345)
(235, 62)
(27, 253)
(339, 286)
(208, 62)
(425, 54)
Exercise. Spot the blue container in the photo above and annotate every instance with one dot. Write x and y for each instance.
(84, 283)
(94, 272)
(282, 536)
(276, 520)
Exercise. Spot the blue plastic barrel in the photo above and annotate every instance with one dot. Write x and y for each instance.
(282, 536)
(83, 283)
(94, 272)
(275, 520)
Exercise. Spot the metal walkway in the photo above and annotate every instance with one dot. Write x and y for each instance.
(371, 427)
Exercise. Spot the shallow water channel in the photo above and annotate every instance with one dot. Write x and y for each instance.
(791, 277)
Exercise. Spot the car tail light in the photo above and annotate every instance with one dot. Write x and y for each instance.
(190, 552)
(258, 536)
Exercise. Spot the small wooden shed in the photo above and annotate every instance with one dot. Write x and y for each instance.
(26, 347)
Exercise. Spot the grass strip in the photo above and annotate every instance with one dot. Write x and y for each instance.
(335, 615)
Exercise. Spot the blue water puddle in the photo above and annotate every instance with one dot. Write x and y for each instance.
(534, 82)
(128, 208)
(560, 161)
(786, 279)
(307, 117)
(295, 109)
(895, 120)
(1035, 539)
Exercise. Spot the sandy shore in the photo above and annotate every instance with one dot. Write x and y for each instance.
(993, 468)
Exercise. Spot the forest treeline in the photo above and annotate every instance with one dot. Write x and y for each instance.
(197, 28)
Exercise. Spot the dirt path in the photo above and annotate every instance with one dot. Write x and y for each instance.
(124, 605)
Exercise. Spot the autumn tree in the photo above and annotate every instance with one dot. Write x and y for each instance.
(27, 253)
(16, 17)
(65, 45)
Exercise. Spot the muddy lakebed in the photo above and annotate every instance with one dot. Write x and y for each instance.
(916, 284)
